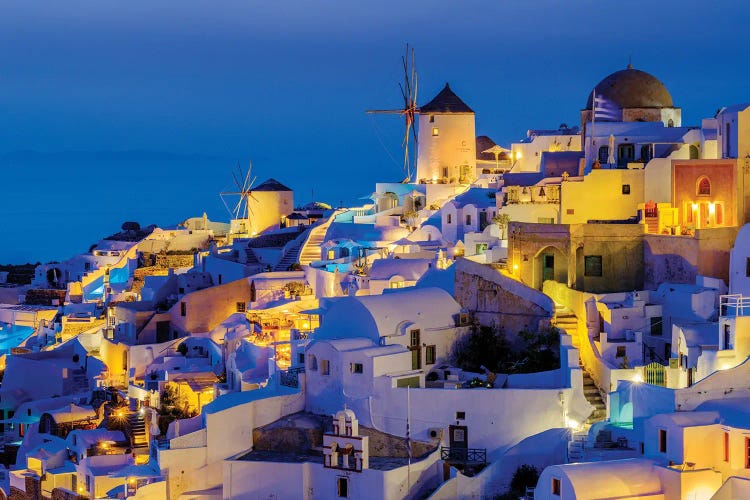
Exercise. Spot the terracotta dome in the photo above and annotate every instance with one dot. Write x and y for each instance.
(633, 88)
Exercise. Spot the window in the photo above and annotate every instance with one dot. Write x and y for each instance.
(430, 355)
(240, 307)
(396, 283)
(449, 219)
(313, 362)
(545, 220)
(621, 351)
(414, 341)
(331, 255)
(181, 291)
(88, 483)
(603, 154)
(592, 265)
(656, 326)
(555, 486)
(626, 189)
(325, 367)
(183, 309)
(646, 153)
(662, 440)
(342, 487)
(432, 119)
(435, 132)
(356, 367)
(460, 415)
(726, 446)
(747, 267)
(468, 219)
(301, 358)
(719, 214)
(704, 186)
(747, 453)
(570, 211)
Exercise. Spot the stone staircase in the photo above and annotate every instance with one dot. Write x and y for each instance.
(566, 320)
(594, 397)
(137, 430)
(289, 258)
(311, 249)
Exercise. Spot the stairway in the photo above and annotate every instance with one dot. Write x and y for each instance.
(311, 249)
(137, 429)
(567, 321)
(289, 258)
(576, 446)
(594, 397)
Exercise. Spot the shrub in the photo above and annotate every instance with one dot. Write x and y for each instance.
(525, 476)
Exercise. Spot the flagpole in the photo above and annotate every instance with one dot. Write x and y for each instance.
(408, 439)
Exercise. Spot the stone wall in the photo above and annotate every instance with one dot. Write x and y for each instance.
(679, 259)
(498, 300)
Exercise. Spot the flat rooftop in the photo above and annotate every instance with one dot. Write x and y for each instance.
(377, 463)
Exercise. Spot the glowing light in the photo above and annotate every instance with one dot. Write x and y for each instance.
(515, 267)
(712, 208)
(142, 411)
(694, 206)
(305, 325)
(572, 423)
(637, 378)
(725, 366)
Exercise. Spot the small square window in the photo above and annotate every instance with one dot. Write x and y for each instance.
(621, 351)
(356, 367)
(468, 219)
(592, 265)
(460, 415)
(435, 132)
(571, 211)
(240, 307)
(626, 189)
(432, 119)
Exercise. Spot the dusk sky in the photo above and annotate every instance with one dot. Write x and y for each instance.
(113, 111)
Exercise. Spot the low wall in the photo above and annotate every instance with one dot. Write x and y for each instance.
(500, 301)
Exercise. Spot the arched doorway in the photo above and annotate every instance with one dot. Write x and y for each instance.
(550, 264)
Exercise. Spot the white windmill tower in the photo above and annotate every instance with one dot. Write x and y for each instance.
(241, 224)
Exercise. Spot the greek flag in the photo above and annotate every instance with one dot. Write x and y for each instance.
(606, 110)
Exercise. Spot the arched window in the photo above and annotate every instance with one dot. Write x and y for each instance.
(313, 362)
(695, 152)
(704, 186)
(670, 123)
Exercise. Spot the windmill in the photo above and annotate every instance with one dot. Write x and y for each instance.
(409, 111)
(241, 213)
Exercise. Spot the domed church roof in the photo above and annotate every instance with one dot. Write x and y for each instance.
(633, 88)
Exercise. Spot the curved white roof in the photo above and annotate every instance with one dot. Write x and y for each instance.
(374, 316)
(629, 478)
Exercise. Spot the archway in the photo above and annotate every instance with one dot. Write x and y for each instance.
(550, 264)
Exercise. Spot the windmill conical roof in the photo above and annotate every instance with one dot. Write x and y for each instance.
(271, 185)
(446, 102)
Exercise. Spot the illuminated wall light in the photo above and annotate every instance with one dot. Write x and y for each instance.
(638, 378)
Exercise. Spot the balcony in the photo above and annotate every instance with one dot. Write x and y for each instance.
(463, 455)
(531, 194)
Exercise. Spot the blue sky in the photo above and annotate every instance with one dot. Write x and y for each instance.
(114, 111)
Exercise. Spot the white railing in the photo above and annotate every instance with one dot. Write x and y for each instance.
(734, 305)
